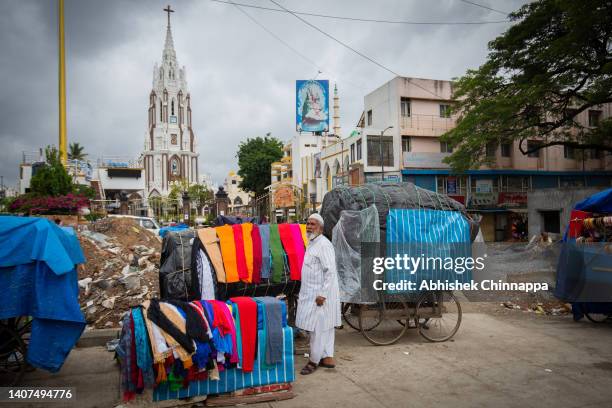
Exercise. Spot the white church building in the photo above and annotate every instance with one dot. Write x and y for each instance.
(170, 148)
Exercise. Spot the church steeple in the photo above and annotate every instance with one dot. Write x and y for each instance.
(170, 143)
(169, 53)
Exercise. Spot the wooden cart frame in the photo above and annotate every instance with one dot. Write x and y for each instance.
(435, 314)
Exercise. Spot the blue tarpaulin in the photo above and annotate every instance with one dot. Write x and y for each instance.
(440, 239)
(579, 271)
(178, 227)
(38, 278)
(599, 203)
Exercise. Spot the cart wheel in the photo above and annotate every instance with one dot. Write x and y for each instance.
(350, 314)
(596, 317)
(438, 316)
(12, 356)
(386, 331)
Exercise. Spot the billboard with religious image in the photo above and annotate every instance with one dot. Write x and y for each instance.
(312, 105)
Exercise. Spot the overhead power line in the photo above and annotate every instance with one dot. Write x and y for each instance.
(365, 20)
(505, 13)
(373, 61)
(286, 44)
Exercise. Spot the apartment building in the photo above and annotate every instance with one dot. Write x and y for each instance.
(402, 124)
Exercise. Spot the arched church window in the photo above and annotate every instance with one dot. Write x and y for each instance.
(161, 117)
(238, 201)
(172, 107)
(174, 167)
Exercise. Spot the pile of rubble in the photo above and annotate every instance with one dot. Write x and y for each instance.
(121, 269)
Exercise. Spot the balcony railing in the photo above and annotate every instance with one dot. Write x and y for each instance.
(427, 124)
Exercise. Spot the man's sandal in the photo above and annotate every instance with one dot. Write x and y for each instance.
(325, 365)
(309, 368)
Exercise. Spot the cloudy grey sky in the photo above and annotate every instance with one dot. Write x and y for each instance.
(241, 79)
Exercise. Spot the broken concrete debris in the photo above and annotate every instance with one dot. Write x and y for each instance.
(121, 269)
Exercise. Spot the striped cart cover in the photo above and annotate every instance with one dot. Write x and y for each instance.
(235, 379)
(440, 239)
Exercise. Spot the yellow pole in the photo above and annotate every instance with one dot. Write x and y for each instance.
(62, 86)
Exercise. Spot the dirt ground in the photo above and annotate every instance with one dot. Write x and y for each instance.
(508, 358)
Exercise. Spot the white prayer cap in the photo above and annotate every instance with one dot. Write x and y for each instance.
(317, 217)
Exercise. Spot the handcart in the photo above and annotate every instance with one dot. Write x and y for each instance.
(14, 338)
(435, 314)
(377, 219)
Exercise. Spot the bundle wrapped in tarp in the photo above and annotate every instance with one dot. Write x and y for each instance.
(38, 278)
(386, 196)
(356, 240)
(177, 280)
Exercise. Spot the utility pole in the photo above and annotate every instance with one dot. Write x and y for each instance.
(382, 162)
(63, 148)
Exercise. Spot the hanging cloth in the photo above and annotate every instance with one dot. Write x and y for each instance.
(264, 234)
(276, 250)
(207, 284)
(243, 272)
(298, 243)
(286, 238)
(257, 254)
(247, 229)
(144, 358)
(273, 328)
(228, 251)
(159, 347)
(247, 308)
(304, 237)
(208, 237)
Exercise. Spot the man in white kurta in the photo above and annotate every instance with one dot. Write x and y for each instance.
(318, 310)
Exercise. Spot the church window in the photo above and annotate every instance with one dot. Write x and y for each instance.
(172, 108)
(161, 118)
(174, 167)
(173, 139)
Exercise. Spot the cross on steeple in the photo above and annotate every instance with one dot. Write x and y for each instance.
(168, 10)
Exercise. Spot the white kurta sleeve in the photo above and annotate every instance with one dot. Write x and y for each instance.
(328, 266)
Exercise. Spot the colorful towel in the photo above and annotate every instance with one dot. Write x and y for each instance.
(298, 243)
(208, 237)
(247, 308)
(247, 230)
(289, 245)
(257, 254)
(304, 237)
(264, 234)
(243, 272)
(228, 251)
(276, 250)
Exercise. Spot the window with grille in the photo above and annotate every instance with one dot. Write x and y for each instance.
(375, 153)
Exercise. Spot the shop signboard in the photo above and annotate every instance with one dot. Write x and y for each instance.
(484, 186)
(513, 199)
(283, 197)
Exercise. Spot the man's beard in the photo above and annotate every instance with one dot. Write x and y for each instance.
(311, 235)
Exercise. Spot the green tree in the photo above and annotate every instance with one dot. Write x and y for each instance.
(76, 152)
(52, 179)
(200, 196)
(255, 157)
(552, 64)
(84, 190)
